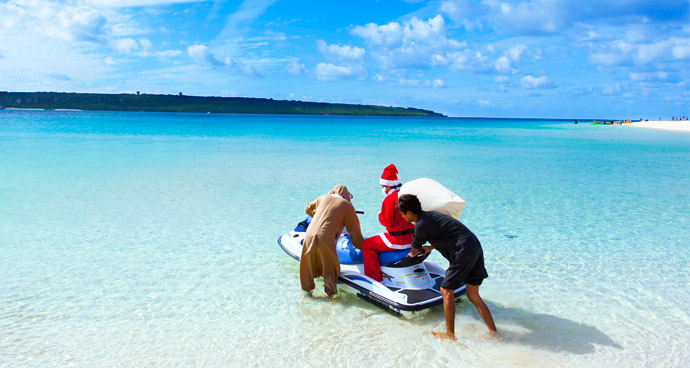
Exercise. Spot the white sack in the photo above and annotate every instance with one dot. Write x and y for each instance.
(434, 196)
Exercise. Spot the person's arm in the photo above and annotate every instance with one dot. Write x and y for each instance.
(310, 209)
(387, 216)
(384, 215)
(415, 252)
(419, 238)
(352, 226)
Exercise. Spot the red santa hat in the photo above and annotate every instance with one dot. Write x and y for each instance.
(390, 176)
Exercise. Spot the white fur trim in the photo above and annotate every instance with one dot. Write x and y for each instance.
(390, 183)
(389, 193)
(393, 246)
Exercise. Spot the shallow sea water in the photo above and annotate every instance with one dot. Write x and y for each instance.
(149, 239)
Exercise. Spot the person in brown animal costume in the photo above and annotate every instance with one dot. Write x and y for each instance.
(330, 213)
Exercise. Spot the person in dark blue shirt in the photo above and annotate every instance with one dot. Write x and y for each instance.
(460, 247)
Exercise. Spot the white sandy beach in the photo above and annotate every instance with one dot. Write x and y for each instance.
(679, 126)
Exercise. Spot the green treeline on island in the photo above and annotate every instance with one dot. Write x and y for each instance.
(182, 103)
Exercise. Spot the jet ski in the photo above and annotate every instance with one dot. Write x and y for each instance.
(409, 284)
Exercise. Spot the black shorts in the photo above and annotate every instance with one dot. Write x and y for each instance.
(467, 265)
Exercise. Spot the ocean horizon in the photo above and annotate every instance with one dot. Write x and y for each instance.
(150, 239)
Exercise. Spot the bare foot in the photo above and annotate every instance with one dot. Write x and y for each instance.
(443, 335)
(309, 294)
(493, 335)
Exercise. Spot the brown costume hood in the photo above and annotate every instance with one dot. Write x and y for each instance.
(342, 191)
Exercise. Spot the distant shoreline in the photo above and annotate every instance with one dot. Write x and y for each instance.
(64, 101)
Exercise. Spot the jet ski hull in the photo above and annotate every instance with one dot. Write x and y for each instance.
(408, 285)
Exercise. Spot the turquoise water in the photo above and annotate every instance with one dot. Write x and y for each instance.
(149, 239)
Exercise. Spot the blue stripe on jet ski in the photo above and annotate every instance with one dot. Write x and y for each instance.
(358, 278)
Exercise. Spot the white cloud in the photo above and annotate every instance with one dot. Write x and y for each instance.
(386, 35)
(136, 3)
(617, 52)
(48, 19)
(412, 44)
(340, 52)
(296, 68)
(269, 36)
(484, 103)
(332, 72)
(436, 83)
(467, 13)
(202, 55)
(467, 59)
(623, 52)
(125, 45)
(681, 51)
(535, 82)
(247, 12)
(612, 90)
(146, 45)
(503, 65)
(419, 44)
(168, 53)
(515, 52)
(647, 77)
(669, 48)
(42, 39)
(549, 17)
(413, 30)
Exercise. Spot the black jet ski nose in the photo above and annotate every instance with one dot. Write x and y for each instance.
(409, 261)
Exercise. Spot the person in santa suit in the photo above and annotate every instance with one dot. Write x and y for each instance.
(398, 234)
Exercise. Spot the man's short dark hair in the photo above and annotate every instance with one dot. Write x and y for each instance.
(409, 202)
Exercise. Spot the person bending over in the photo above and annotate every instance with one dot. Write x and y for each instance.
(330, 213)
(460, 247)
(398, 233)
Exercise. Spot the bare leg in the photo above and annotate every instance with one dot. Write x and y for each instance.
(449, 311)
(473, 295)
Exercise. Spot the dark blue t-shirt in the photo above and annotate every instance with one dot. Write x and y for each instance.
(445, 233)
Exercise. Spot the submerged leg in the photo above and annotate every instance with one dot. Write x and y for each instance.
(331, 270)
(473, 295)
(449, 311)
(309, 268)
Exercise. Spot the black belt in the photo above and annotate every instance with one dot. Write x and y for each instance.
(404, 232)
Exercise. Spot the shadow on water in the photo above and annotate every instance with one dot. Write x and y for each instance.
(518, 326)
(540, 331)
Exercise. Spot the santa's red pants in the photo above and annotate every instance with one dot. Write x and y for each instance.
(370, 248)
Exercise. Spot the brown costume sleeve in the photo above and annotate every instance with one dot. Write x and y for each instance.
(310, 209)
(352, 226)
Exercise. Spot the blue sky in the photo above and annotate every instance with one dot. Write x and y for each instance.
(492, 58)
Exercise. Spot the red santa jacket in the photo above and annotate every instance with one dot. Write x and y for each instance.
(398, 233)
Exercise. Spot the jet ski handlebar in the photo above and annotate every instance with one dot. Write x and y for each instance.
(410, 261)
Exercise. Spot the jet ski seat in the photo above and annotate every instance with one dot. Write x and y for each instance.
(348, 254)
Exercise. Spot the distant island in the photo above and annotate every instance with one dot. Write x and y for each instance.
(182, 103)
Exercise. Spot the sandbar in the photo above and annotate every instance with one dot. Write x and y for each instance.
(675, 125)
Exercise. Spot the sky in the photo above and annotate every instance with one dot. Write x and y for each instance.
(608, 59)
